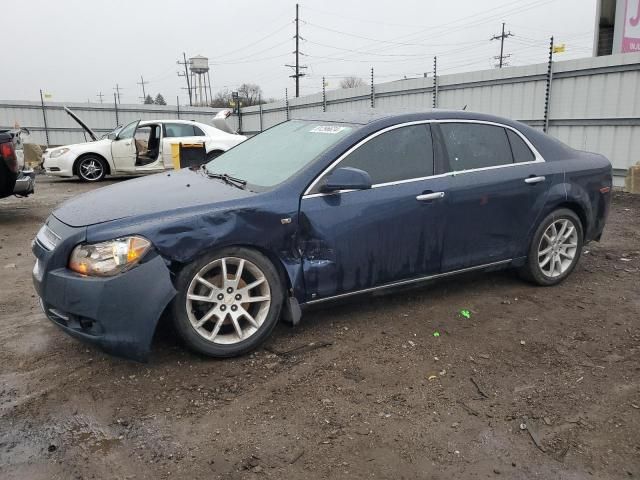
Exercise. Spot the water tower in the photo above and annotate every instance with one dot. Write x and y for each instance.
(200, 80)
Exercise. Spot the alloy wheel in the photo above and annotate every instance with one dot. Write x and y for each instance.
(558, 247)
(91, 169)
(228, 300)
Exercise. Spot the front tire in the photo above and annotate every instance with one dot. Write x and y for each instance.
(228, 302)
(555, 248)
(91, 168)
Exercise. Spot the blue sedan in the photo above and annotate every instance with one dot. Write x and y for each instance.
(313, 210)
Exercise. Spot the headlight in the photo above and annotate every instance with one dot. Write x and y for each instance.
(106, 259)
(58, 152)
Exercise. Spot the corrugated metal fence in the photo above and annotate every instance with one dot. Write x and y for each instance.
(594, 105)
(101, 118)
(594, 102)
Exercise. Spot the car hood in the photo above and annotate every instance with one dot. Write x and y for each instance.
(77, 147)
(81, 123)
(155, 194)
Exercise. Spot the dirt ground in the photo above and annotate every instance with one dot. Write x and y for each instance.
(538, 383)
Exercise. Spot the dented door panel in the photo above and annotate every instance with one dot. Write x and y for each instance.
(351, 241)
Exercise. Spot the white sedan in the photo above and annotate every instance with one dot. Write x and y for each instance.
(137, 148)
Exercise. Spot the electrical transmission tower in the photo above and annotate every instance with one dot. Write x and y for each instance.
(186, 76)
(297, 66)
(502, 57)
(100, 95)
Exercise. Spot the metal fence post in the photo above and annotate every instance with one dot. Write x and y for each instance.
(286, 101)
(239, 118)
(44, 117)
(373, 91)
(324, 96)
(547, 95)
(435, 82)
(260, 111)
(115, 102)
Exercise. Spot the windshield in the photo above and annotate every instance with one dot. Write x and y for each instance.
(113, 132)
(277, 154)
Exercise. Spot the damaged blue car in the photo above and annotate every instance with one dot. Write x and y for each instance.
(312, 210)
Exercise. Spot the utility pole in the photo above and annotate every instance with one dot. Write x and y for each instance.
(44, 118)
(501, 37)
(297, 66)
(142, 83)
(186, 75)
(117, 89)
(100, 95)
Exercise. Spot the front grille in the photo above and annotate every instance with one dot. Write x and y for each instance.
(47, 238)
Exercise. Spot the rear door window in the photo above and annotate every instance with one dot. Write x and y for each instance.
(521, 152)
(173, 130)
(475, 145)
(400, 154)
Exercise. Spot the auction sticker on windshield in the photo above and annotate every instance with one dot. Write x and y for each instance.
(327, 129)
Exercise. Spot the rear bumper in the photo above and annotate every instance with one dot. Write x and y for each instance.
(25, 183)
(118, 314)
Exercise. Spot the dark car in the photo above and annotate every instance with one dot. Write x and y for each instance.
(313, 210)
(15, 179)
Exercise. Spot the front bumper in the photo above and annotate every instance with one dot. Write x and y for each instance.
(119, 314)
(61, 166)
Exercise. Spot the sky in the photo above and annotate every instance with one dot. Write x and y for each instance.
(76, 49)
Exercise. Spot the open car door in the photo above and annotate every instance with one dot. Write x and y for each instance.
(123, 149)
(90, 132)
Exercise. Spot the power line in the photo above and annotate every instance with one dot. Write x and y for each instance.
(501, 37)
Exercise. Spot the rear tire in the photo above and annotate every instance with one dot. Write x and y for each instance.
(228, 302)
(91, 168)
(555, 248)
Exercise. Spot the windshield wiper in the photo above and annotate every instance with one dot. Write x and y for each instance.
(235, 181)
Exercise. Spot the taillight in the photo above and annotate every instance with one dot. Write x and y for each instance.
(605, 189)
(9, 154)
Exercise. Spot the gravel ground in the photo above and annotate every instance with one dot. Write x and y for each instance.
(538, 383)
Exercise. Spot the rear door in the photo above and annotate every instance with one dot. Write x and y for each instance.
(176, 133)
(357, 240)
(123, 148)
(495, 196)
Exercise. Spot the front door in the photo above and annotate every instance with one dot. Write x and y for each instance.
(495, 195)
(357, 240)
(123, 149)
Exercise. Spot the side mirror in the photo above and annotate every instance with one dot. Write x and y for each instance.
(346, 178)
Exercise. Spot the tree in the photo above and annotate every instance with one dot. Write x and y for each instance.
(148, 100)
(250, 94)
(222, 99)
(352, 82)
(159, 100)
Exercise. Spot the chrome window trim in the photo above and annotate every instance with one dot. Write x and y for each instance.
(538, 157)
(409, 282)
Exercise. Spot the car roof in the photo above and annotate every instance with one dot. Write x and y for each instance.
(375, 115)
(171, 120)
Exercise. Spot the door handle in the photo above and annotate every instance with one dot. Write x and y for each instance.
(425, 197)
(532, 180)
(127, 143)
